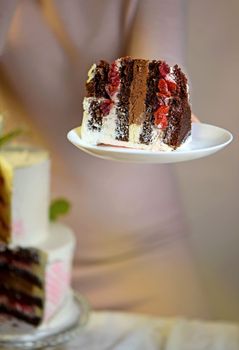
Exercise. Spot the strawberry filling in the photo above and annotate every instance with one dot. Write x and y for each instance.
(105, 107)
(161, 117)
(114, 80)
(163, 88)
(172, 86)
(16, 264)
(111, 88)
(164, 69)
(167, 87)
(27, 309)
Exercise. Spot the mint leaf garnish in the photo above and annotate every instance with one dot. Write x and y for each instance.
(58, 207)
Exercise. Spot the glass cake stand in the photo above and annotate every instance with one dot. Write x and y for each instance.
(54, 334)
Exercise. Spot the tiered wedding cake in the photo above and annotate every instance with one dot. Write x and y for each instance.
(35, 256)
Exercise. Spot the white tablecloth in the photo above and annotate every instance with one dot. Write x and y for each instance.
(120, 331)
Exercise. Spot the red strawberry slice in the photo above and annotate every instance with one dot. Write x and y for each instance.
(161, 120)
(162, 97)
(163, 87)
(161, 116)
(172, 86)
(114, 79)
(162, 110)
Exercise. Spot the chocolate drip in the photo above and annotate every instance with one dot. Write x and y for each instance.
(180, 112)
(151, 101)
(96, 87)
(126, 77)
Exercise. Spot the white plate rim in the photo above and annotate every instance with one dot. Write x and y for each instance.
(82, 144)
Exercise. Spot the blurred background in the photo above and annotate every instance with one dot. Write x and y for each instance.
(209, 187)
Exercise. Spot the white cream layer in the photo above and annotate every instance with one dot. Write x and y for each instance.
(107, 134)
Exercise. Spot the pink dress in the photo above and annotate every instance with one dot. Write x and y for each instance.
(133, 246)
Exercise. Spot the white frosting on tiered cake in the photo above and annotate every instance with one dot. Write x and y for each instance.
(59, 247)
(27, 173)
(30, 175)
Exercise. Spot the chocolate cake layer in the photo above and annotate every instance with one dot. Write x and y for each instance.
(21, 285)
(142, 103)
(14, 272)
(138, 92)
(29, 255)
(122, 110)
(151, 101)
(96, 86)
(180, 112)
(15, 296)
(33, 320)
(95, 122)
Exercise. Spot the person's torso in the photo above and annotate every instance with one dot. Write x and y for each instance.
(117, 207)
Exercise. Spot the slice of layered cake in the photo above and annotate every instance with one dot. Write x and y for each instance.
(22, 275)
(136, 103)
(35, 281)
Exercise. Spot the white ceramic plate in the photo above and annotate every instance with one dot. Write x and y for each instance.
(206, 140)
